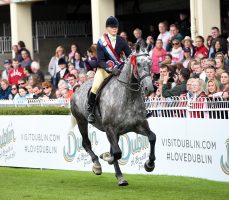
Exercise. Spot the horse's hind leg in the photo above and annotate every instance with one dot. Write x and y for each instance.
(83, 128)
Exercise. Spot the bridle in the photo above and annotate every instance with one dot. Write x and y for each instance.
(134, 71)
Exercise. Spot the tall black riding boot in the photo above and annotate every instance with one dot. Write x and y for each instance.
(90, 108)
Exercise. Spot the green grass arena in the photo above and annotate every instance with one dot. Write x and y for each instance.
(36, 184)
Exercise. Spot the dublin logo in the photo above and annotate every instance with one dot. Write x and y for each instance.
(74, 145)
(225, 166)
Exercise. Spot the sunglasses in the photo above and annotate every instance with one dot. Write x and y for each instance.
(175, 43)
(21, 83)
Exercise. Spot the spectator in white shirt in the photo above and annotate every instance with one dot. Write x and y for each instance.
(164, 33)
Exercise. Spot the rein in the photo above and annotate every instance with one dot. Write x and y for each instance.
(129, 85)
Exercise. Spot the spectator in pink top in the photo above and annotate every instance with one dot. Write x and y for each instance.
(158, 55)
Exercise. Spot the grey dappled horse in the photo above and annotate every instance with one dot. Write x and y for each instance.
(121, 110)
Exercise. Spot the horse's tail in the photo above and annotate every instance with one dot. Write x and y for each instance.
(73, 119)
(73, 122)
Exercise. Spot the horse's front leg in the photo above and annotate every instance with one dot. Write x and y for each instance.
(149, 164)
(121, 180)
(115, 151)
(145, 130)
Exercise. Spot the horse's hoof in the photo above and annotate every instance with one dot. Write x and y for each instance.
(105, 156)
(97, 169)
(149, 167)
(111, 160)
(122, 182)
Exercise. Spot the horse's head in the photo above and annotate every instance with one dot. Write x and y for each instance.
(141, 63)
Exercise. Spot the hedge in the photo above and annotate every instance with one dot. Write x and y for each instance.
(34, 111)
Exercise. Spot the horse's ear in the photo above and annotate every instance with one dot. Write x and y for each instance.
(138, 46)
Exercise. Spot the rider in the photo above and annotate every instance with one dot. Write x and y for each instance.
(110, 48)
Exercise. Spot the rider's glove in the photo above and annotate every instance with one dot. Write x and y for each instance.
(108, 70)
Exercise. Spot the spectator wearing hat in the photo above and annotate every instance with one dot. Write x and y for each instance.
(187, 56)
(7, 67)
(63, 73)
(188, 43)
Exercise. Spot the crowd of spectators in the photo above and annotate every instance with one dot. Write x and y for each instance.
(186, 67)
(181, 66)
(23, 79)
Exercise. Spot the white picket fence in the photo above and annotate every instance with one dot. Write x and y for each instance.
(189, 108)
(36, 102)
(156, 107)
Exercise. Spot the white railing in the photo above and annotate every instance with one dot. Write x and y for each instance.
(36, 102)
(6, 44)
(190, 108)
(47, 29)
(55, 29)
(157, 107)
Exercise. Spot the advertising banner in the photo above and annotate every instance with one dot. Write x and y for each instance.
(186, 147)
